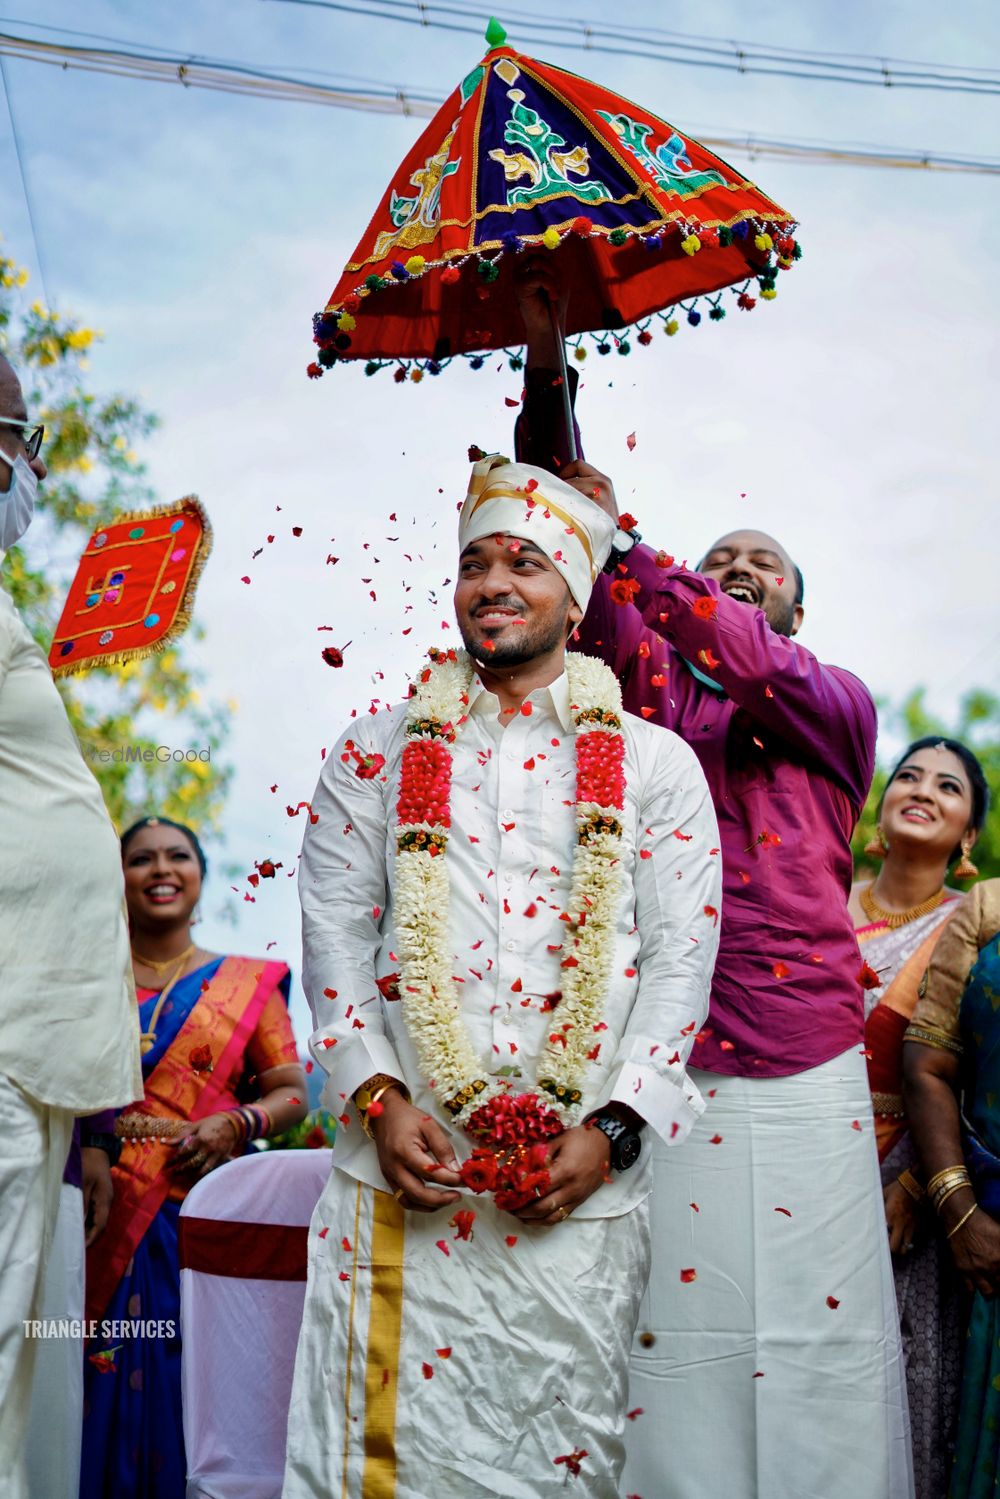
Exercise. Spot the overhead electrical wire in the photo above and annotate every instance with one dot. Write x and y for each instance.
(652, 44)
(192, 71)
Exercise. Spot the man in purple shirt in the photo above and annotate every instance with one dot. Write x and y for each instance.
(767, 1362)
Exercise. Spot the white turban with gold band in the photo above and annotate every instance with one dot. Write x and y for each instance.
(515, 499)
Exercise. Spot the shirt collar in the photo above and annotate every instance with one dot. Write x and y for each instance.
(554, 697)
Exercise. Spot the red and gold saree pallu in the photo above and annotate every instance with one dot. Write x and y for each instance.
(188, 1082)
(884, 1031)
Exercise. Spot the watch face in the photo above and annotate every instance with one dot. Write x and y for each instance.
(627, 1150)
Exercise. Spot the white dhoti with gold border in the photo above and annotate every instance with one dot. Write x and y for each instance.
(776, 1371)
(429, 1365)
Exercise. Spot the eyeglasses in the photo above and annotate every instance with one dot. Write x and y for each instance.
(32, 433)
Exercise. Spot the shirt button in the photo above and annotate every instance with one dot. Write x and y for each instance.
(510, 946)
(507, 815)
(508, 877)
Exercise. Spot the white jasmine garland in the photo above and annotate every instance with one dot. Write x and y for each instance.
(427, 989)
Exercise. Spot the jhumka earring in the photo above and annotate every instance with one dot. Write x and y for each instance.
(876, 847)
(965, 869)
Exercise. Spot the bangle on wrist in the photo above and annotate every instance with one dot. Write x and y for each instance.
(910, 1185)
(964, 1219)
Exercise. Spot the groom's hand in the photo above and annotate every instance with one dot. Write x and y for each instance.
(413, 1150)
(579, 1163)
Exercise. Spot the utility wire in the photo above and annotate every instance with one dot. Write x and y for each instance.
(241, 78)
(15, 137)
(740, 57)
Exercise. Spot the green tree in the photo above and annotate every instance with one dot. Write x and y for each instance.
(94, 472)
(978, 726)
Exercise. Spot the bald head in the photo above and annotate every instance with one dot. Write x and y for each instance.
(755, 569)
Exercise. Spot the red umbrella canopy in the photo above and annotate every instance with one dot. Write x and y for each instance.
(525, 156)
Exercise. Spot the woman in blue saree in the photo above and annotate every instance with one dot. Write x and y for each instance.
(951, 1084)
(220, 1068)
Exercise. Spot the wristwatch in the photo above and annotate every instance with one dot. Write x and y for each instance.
(110, 1144)
(626, 1146)
(622, 543)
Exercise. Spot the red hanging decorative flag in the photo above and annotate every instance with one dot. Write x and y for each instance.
(134, 588)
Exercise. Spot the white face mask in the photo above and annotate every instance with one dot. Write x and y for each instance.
(18, 504)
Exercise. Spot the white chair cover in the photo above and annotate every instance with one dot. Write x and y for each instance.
(243, 1237)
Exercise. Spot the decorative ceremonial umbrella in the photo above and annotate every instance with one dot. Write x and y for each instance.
(134, 587)
(524, 156)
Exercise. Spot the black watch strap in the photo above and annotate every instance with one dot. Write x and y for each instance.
(620, 549)
(110, 1144)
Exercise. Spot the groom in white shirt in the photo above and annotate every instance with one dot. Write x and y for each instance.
(510, 913)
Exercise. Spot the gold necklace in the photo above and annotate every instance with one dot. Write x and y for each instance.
(894, 919)
(159, 967)
(147, 1039)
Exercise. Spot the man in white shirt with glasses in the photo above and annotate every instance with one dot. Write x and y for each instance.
(68, 1018)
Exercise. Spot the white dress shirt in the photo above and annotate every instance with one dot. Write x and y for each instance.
(69, 1026)
(510, 856)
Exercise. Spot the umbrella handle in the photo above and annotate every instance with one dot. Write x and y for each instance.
(568, 422)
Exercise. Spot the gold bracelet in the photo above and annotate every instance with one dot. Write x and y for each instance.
(942, 1197)
(953, 1179)
(939, 1176)
(945, 1178)
(363, 1114)
(910, 1185)
(964, 1219)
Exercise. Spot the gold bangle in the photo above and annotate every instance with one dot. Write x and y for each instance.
(373, 1099)
(964, 1219)
(939, 1176)
(953, 1179)
(910, 1185)
(942, 1197)
(945, 1179)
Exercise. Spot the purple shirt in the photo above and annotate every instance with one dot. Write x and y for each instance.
(788, 751)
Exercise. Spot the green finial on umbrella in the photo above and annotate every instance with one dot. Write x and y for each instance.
(495, 34)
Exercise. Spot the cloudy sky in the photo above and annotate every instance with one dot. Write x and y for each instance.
(855, 417)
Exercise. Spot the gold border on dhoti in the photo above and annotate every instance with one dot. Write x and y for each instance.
(385, 1324)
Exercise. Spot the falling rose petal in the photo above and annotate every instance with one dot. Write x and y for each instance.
(758, 1374)
(781, 970)
(244, 580)
(687, 1276)
(343, 1275)
(510, 1240)
(442, 1245)
(443, 1352)
(715, 1140)
(427, 1371)
(832, 1303)
(855, 1125)
(631, 1415)
(783, 1210)
(695, 1206)
(345, 1244)
(630, 441)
